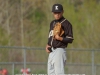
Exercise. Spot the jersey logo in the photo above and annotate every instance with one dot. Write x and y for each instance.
(50, 33)
(56, 7)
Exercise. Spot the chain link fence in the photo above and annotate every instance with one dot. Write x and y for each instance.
(79, 61)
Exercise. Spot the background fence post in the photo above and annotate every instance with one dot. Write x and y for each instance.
(24, 59)
(13, 68)
(93, 67)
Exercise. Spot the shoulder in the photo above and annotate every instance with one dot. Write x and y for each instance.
(66, 23)
(52, 22)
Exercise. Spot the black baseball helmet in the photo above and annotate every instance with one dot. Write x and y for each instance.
(57, 8)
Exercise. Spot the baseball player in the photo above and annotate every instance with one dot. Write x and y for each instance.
(57, 43)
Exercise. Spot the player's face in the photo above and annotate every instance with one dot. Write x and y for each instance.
(57, 15)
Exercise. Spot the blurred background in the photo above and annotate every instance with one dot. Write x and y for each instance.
(24, 26)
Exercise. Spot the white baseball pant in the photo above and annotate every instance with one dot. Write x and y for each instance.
(56, 61)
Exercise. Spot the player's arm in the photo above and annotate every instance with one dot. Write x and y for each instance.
(64, 39)
(47, 46)
(68, 33)
(48, 43)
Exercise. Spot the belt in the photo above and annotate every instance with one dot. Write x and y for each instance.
(57, 47)
(54, 47)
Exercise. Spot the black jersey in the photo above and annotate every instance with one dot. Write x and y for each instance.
(67, 27)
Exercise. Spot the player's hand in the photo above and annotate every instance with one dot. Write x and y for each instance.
(57, 37)
(47, 46)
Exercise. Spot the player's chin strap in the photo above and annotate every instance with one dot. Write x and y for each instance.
(52, 37)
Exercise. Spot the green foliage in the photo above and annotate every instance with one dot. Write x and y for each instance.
(84, 17)
(39, 72)
(37, 16)
(16, 71)
(3, 38)
(37, 20)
